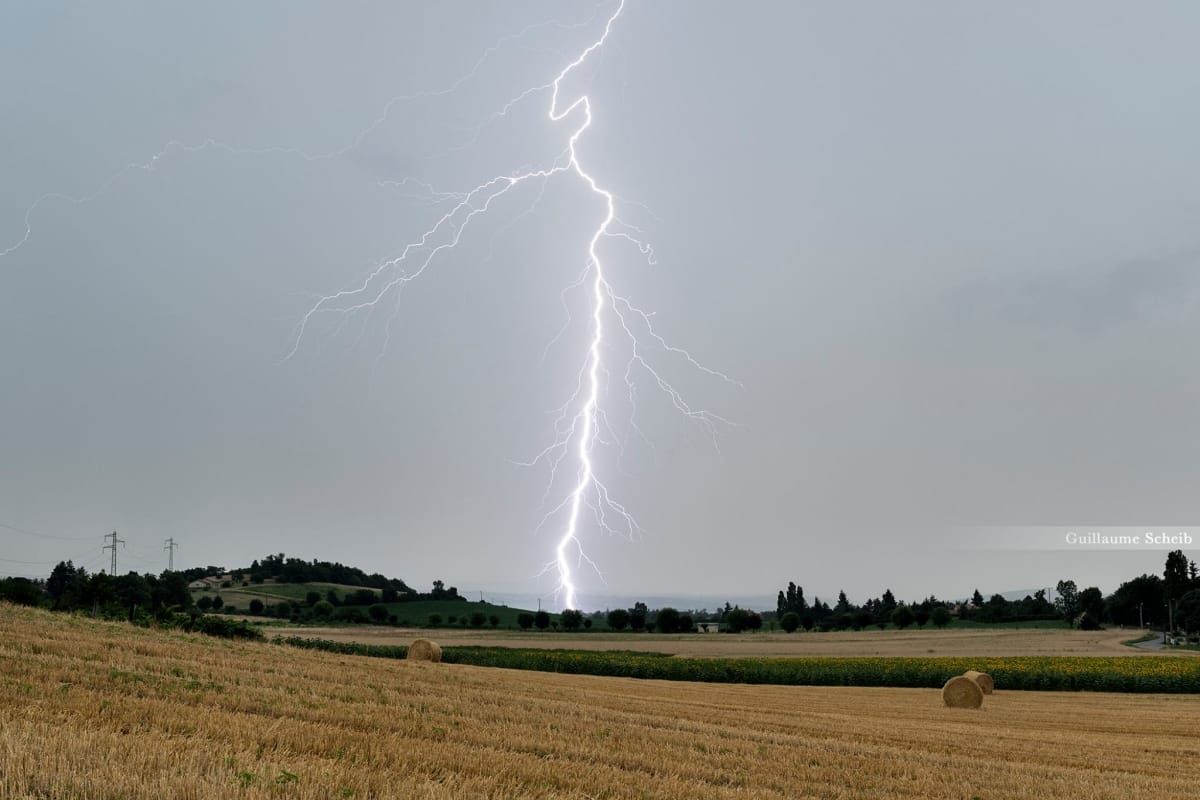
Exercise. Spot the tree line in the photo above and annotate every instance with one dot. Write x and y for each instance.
(1151, 600)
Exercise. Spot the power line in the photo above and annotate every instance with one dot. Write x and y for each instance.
(37, 535)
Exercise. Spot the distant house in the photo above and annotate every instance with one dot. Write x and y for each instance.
(708, 627)
(208, 582)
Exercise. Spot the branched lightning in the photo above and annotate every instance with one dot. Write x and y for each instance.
(581, 425)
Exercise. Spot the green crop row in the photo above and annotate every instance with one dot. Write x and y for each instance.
(1072, 673)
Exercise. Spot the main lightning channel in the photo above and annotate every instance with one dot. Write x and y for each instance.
(581, 421)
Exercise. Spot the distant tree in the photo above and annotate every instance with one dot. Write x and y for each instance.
(1136, 601)
(217, 602)
(361, 597)
(807, 620)
(1067, 601)
(435, 620)
(478, 619)
(686, 624)
(389, 595)
(1040, 605)
(571, 619)
(1089, 622)
(790, 621)
(977, 599)
(204, 603)
(843, 605)
(587, 623)
(312, 598)
(1175, 576)
(921, 614)
(618, 619)
(62, 578)
(735, 620)
(1187, 613)
(323, 609)
(20, 591)
(493, 620)
(525, 620)
(332, 598)
(887, 604)
(739, 619)
(860, 619)
(378, 612)
(541, 620)
(667, 620)
(464, 620)
(940, 616)
(902, 617)
(1091, 601)
(637, 617)
(256, 607)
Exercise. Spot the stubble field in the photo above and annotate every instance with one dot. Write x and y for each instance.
(97, 710)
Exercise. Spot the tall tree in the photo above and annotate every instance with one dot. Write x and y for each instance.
(62, 578)
(1067, 601)
(1175, 575)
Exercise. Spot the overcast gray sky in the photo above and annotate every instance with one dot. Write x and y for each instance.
(949, 250)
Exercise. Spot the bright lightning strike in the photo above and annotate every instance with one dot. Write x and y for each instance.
(581, 426)
(581, 419)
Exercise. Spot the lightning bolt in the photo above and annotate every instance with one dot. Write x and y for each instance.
(581, 422)
(581, 425)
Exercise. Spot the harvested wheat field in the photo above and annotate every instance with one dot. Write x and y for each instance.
(97, 710)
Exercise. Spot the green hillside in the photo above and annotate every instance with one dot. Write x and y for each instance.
(406, 613)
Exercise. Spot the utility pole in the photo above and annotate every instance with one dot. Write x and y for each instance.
(170, 546)
(113, 547)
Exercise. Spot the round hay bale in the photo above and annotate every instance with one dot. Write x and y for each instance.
(982, 678)
(424, 650)
(962, 692)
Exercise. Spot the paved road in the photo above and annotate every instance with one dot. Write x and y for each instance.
(1154, 644)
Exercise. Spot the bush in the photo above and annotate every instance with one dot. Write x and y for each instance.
(224, 627)
(478, 618)
(256, 607)
(435, 620)
(378, 612)
(322, 609)
(940, 616)
(493, 620)
(525, 620)
(667, 620)
(790, 621)
(739, 619)
(312, 598)
(541, 620)
(618, 619)
(217, 603)
(571, 619)
(902, 617)
(204, 603)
